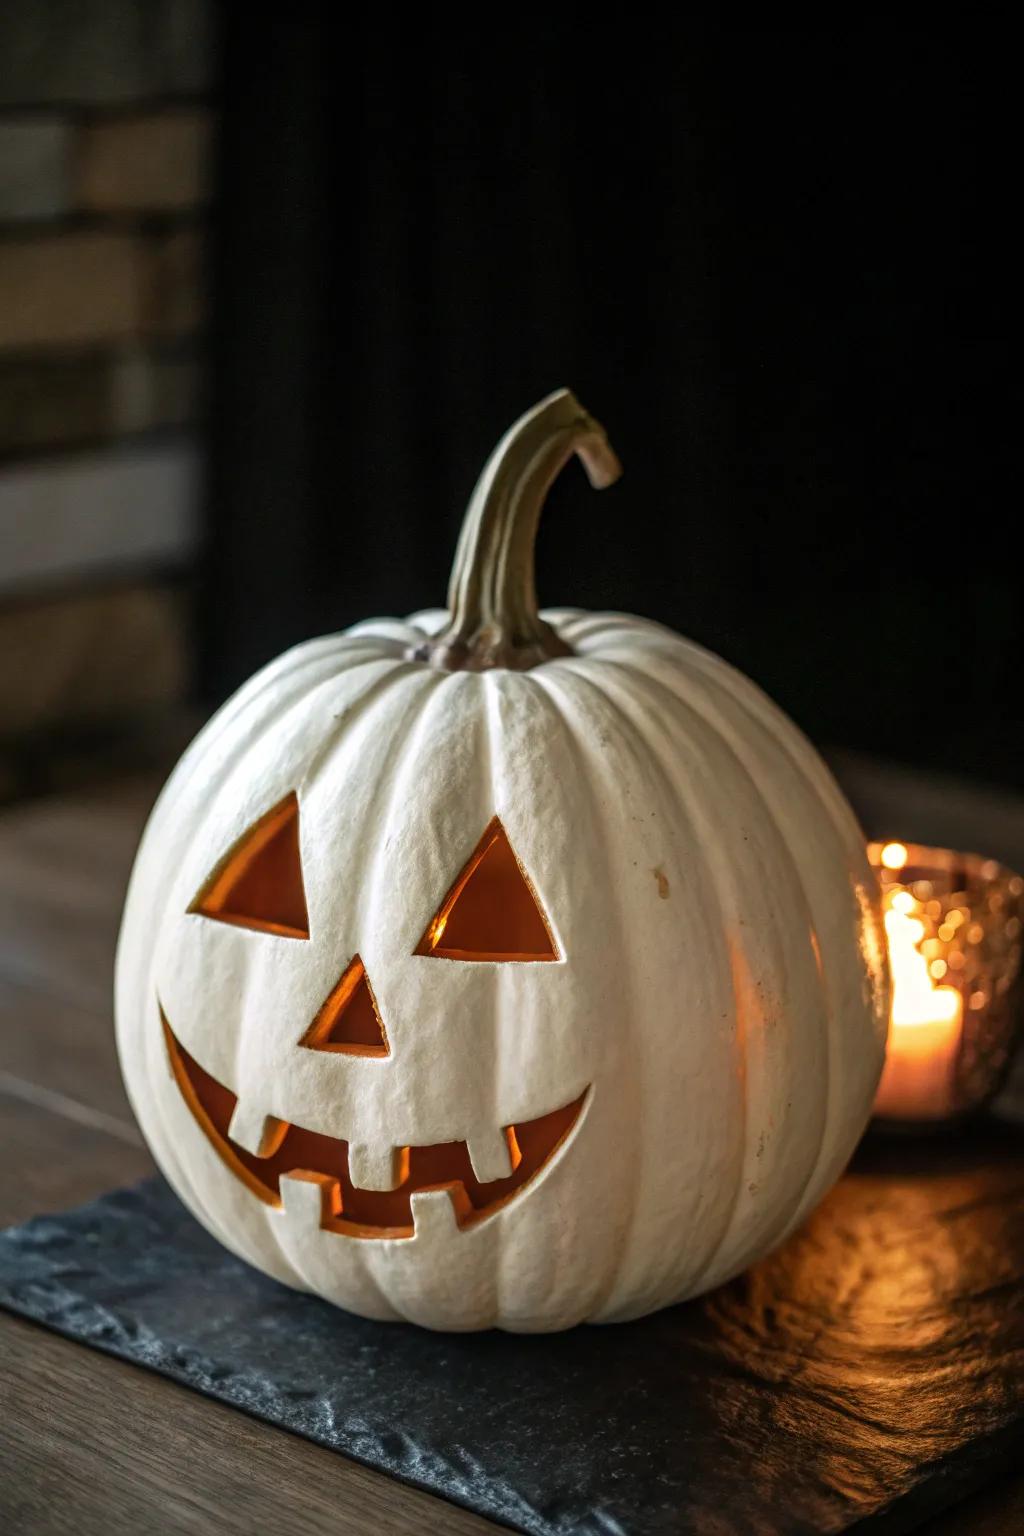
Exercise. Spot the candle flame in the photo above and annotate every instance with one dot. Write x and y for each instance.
(917, 999)
(953, 957)
(925, 1024)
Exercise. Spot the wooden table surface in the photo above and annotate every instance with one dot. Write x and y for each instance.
(88, 1443)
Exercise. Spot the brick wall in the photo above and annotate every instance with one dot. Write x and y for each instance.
(105, 128)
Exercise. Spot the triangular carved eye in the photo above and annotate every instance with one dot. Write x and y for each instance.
(258, 884)
(492, 911)
(349, 1021)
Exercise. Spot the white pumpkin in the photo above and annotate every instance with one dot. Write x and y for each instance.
(427, 881)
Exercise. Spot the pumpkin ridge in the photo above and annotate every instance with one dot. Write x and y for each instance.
(556, 689)
(720, 727)
(771, 722)
(394, 670)
(597, 678)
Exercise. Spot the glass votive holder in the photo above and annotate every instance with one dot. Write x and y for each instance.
(954, 928)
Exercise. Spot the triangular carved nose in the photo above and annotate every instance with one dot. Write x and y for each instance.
(349, 1022)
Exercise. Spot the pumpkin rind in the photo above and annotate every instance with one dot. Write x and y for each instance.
(719, 987)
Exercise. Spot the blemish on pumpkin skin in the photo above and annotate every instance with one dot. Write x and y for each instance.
(662, 879)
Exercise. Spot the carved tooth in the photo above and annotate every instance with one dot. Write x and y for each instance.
(304, 1196)
(256, 1133)
(434, 1214)
(493, 1156)
(375, 1166)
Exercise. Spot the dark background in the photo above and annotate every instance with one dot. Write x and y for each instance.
(772, 262)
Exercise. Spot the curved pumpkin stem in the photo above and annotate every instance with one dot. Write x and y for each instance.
(492, 597)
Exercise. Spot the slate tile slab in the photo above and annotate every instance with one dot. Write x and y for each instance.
(869, 1373)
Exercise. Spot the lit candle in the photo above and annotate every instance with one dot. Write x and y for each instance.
(925, 1028)
(953, 923)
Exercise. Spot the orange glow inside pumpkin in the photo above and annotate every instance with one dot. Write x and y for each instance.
(349, 1021)
(324, 1160)
(258, 884)
(492, 911)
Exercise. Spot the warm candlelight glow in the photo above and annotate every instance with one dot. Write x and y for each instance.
(924, 1034)
(953, 926)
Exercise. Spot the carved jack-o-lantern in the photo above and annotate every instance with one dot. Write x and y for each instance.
(491, 969)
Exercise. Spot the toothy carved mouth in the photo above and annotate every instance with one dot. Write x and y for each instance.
(323, 1160)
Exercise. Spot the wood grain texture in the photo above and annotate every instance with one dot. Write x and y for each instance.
(52, 1160)
(64, 866)
(91, 1444)
(871, 1371)
(61, 1046)
(95, 1447)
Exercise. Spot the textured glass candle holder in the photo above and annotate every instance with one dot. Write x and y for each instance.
(954, 926)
